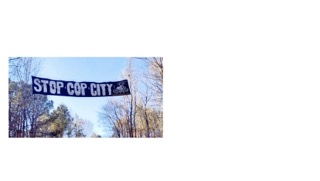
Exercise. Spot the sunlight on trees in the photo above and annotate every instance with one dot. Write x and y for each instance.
(139, 114)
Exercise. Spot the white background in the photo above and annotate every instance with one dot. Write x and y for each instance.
(241, 95)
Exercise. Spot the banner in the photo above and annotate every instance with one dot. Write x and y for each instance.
(79, 89)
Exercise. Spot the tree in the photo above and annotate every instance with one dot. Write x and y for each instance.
(149, 111)
(115, 115)
(120, 114)
(25, 108)
(138, 114)
(154, 76)
(130, 101)
(79, 128)
(59, 121)
(143, 108)
(22, 68)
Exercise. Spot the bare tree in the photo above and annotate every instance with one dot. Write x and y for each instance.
(24, 107)
(115, 113)
(79, 127)
(138, 114)
(151, 98)
(131, 100)
(145, 98)
(155, 78)
(22, 68)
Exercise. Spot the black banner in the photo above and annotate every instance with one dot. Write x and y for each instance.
(79, 89)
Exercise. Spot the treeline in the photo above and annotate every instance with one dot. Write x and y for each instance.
(32, 115)
(139, 114)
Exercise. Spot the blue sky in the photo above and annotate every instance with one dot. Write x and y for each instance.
(83, 69)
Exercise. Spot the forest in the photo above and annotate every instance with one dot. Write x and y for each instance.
(138, 115)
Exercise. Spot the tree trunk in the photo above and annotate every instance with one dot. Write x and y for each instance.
(147, 123)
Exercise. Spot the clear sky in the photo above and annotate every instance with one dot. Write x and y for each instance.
(83, 69)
